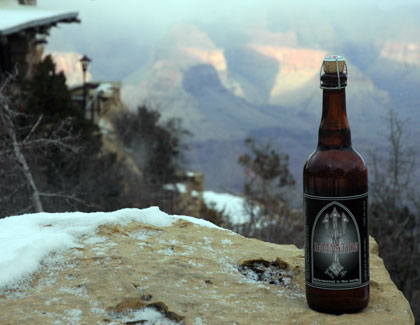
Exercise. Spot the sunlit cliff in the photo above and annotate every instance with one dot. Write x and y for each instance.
(297, 66)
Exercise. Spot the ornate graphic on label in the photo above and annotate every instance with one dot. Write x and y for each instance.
(335, 234)
(336, 245)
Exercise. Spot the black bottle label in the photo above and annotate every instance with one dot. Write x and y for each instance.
(336, 242)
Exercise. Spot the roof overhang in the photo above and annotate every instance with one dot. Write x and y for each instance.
(21, 18)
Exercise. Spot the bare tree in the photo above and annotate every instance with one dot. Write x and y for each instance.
(268, 182)
(19, 146)
(395, 209)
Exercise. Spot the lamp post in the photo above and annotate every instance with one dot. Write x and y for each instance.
(84, 61)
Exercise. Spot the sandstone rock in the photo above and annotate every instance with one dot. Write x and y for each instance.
(189, 274)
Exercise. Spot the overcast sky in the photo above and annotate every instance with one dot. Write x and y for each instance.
(154, 16)
(138, 24)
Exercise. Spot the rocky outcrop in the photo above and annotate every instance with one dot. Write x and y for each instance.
(184, 273)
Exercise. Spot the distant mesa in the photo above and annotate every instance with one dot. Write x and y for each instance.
(170, 60)
(182, 51)
(176, 57)
(404, 52)
(216, 58)
(296, 67)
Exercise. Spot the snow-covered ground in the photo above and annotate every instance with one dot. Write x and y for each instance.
(26, 240)
(233, 206)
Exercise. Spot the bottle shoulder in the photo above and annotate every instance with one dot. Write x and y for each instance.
(335, 161)
(335, 172)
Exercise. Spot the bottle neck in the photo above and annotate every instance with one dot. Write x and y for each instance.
(334, 131)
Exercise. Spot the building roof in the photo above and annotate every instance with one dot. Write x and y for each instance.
(14, 19)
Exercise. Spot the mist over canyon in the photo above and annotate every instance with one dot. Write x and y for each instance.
(257, 75)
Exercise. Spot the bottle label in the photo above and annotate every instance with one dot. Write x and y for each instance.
(336, 242)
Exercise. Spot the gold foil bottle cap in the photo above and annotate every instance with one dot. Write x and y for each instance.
(332, 62)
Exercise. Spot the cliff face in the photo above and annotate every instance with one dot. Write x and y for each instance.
(181, 273)
(297, 66)
(68, 62)
(403, 52)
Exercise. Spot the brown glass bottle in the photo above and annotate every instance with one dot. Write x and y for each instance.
(335, 207)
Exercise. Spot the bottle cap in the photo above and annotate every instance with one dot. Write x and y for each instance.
(333, 72)
(333, 62)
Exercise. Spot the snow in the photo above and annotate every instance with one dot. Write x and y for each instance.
(26, 240)
(147, 316)
(105, 87)
(73, 316)
(227, 242)
(233, 206)
(198, 321)
(106, 127)
(14, 18)
(179, 187)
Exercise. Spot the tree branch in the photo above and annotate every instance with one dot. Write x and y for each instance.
(10, 128)
(32, 129)
(68, 197)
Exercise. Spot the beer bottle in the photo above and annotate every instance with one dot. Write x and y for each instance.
(335, 206)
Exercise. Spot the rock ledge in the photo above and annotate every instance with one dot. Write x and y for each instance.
(184, 273)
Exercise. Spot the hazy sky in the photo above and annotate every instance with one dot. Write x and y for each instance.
(138, 24)
(164, 11)
(154, 16)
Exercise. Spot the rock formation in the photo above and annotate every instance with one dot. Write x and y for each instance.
(184, 273)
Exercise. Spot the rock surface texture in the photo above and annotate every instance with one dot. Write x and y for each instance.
(183, 274)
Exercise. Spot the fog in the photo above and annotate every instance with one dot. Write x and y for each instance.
(127, 30)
